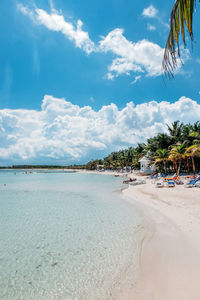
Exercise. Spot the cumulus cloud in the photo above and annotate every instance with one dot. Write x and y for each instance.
(56, 22)
(62, 132)
(150, 12)
(142, 57)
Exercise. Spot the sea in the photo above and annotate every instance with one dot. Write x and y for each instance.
(67, 236)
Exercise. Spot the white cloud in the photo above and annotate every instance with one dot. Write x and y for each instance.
(110, 76)
(64, 132)
(56, 22)
(143, 56)
(26, 11)
(150, 12)
(151, 27)
(123, 65)
(136, 79)
(51, 4)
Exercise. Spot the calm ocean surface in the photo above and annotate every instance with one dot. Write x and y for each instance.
(65, 236)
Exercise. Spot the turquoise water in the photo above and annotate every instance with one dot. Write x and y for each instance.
(65, 236)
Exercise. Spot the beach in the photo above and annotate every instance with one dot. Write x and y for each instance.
(169, 258)
(164, 236)
(170, 252)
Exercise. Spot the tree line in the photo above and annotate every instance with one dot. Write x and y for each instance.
(178, 150)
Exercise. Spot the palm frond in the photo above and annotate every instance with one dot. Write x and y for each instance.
(193, 150)
(180, 20)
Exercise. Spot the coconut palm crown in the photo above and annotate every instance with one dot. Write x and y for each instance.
(162, 156)
(180, 20)
(176, 150)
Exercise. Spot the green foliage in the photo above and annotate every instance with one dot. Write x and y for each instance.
(174, 151)
(181, 20)
(92, 165)
(167, 151)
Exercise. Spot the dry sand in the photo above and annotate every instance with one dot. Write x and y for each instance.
(170, 254)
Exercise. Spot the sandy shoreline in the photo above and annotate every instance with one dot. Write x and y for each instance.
(169, 264)
(169, 259)
(170, 255)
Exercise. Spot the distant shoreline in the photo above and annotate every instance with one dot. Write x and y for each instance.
(40, 170)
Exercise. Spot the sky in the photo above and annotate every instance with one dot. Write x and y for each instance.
(79, 79)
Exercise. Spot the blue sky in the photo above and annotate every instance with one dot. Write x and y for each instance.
(91, 53)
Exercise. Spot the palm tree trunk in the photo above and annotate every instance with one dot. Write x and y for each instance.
(175, 165)
(165, 167)
(188, 165)
(193, 164)
(179, 167)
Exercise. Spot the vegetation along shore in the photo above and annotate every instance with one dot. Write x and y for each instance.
(177, 150)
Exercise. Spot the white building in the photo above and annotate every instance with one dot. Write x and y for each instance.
(145, 165)
(100, 168)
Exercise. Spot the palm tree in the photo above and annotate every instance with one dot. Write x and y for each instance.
(177, 154)
(175, 131)
(162, 157)
(196, 126)
(180, 20)
(196, 136)
(186, 137)
(161, 141)
(182, 142)
(193, 151)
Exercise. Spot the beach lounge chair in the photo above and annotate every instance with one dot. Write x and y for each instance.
(171, 184)
(153, 176)
(193, 182)
(179, 181)
(197, 184)
(188, 185)
(159, 185)
(198, 178)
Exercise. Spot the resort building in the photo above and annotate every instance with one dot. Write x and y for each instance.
(100, 168)
(146, 165)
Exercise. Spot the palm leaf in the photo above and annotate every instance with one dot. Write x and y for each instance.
(181, 19)
(193, 150)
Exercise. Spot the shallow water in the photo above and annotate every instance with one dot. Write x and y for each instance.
(65, 236)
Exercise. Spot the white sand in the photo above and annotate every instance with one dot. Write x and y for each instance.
(169, 262)
(170, 255)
